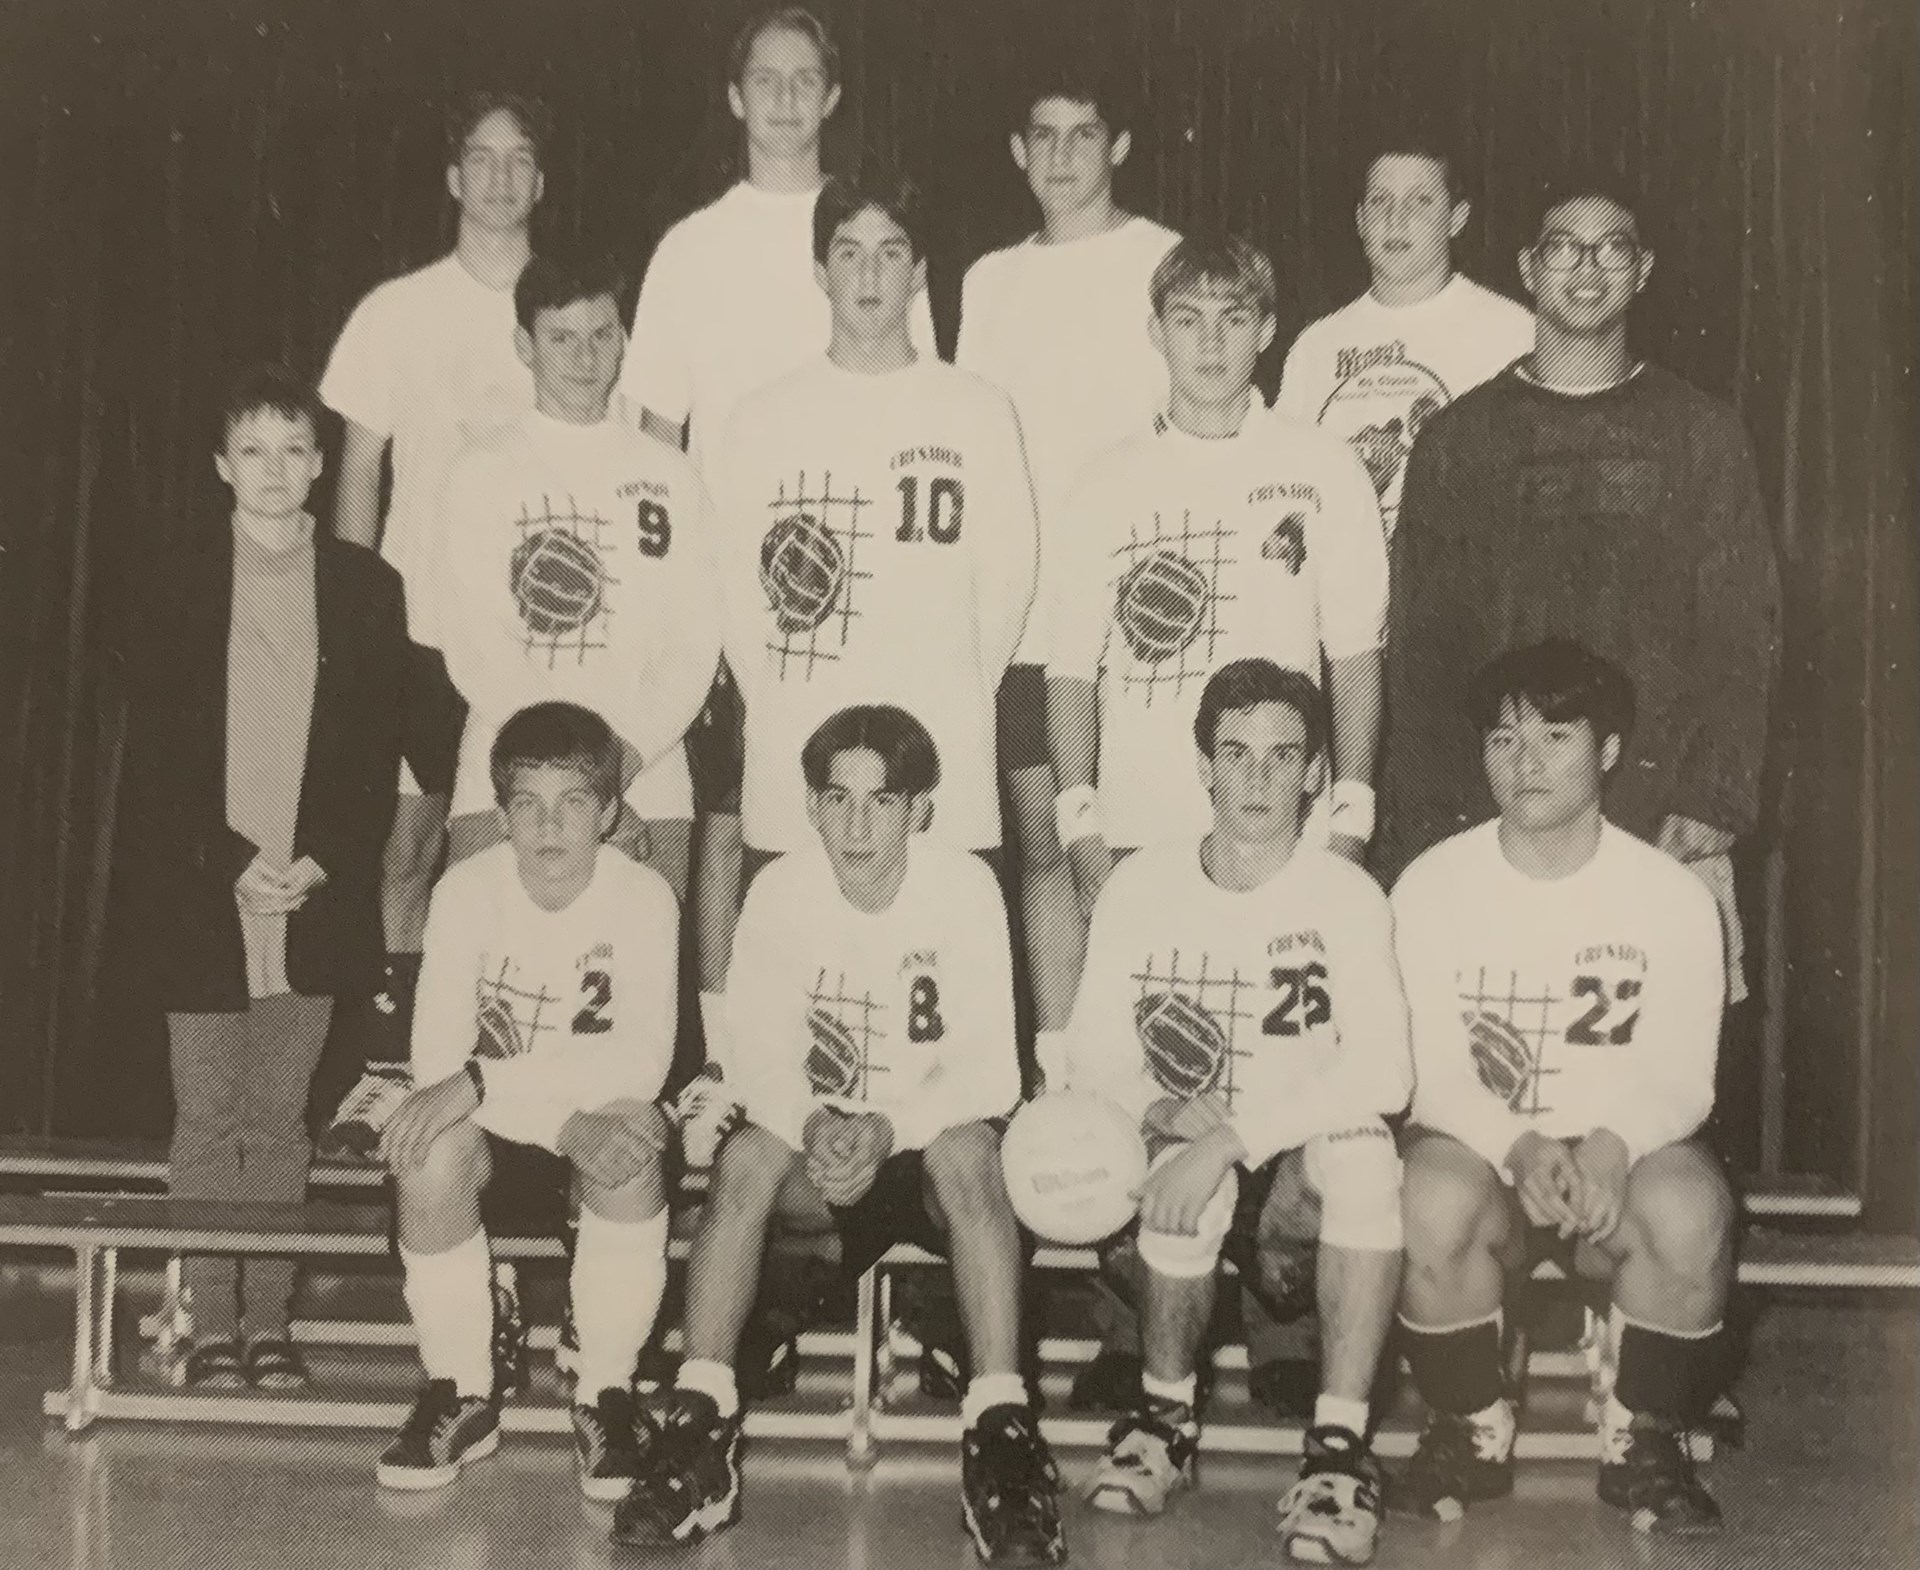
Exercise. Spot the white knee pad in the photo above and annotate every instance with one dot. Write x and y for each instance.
(1356, 1173)
(1173, 1255)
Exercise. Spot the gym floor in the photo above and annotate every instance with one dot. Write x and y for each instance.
(1827, 1479)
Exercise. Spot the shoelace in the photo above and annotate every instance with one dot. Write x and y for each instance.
(1448, 1446)
(431, 1416)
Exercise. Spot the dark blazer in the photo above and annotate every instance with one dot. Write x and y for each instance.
(179, 856)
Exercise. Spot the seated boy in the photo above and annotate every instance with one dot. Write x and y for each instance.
(545, 1017)
(870, 1009)
(1240, 999)
(1565, 982)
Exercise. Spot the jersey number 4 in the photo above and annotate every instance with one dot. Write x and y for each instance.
(1304, 1002)
(596, 991)
(946, 507)
(1598, 1027)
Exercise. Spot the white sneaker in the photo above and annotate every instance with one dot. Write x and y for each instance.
(1332, 1515)
(1146, 1464)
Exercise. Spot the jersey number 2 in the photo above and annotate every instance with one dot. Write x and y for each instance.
(596, 988)
(946, 506)
(1591, 1028)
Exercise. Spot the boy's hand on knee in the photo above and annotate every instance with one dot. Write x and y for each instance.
(612, 1147)
(1601, 1162)
(1175, 1197)
(1545, 1179)
(423, 1117)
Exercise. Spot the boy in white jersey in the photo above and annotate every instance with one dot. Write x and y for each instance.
(870, 1009)
(877, 533)
(1374, 370)
(1565, 981)
(1058, 322)
(1240, 999)
(577, 555)
(425, 365)
(545, 1018)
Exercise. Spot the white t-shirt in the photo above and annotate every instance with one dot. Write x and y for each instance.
(1186, 553)
(877, 546)
(1605, 986)
(906, 1011)
(1282, 1001)
(1373, 373)
(731, 303)
(567, 1010)
(428, 361)
(1063, 329)
(577, 561)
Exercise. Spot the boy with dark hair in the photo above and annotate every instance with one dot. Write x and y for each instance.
(871, 1015)
(268, 690)
(576, 553)
(424, 366)
(1565, 983)
(1056, 322)
(1240, 999)
(1374, 371)
(1586, 494)
(561, 964)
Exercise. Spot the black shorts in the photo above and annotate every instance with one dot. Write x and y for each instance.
(717, 748)
(1020, 718)
(894, 1210)
(753, 862)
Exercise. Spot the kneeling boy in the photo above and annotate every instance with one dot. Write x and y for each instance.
(545, 1016)
(1240, 999)
(870, 1008)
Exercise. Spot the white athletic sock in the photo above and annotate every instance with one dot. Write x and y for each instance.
(987, 1391)
(1339, 1412)
(450, 1295)
(710, 1379)
(1185, 1391)
(619, 1274)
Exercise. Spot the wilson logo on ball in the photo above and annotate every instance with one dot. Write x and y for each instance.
(803, 570)
(833, 1059)
(1186, 1047)
(1161, 605)
(558, 582)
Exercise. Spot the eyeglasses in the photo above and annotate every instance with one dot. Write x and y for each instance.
(1562, 253)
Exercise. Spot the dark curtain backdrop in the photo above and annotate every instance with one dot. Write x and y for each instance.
(190, 185)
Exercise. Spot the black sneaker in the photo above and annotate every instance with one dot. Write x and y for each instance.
(1652, 1476)
(1110, 1383)
(1331, 1516)
(603, 1441)
(686, 1471)
(445, 1431)
(1010, 1490)
(1460, 1461)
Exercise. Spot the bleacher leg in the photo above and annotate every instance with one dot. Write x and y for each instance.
(103, 1318)
(86, 1262)
(860, 1431)
(883, 1331)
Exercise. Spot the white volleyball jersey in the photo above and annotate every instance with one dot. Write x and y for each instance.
(566, 1010)
(877, 546)
(731, 303)
(1282, 1001)
(1562, 1006)
(576, 564)
(906, 1011)
(1372, 374)
(1187, 553)
(1063, 330)
(428, 361)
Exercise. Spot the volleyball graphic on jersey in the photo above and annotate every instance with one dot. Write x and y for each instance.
(1074, 1163)
(802, 569)
(1186, 1046)
(833, 1058)
(499, 1034)
(1500, 1057)
(1161, 606)
(558, 581)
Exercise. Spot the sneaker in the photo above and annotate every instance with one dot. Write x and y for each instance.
(603, 1440)
(1110, 1383)
(1460, 1461)
(363, 1114)
(216, 1364)
(1332, 1515)
(274, 1363)
(686, 1480)
(1010, 1490)
(445, 1431)
(1147, 1462)
(1647, 1469)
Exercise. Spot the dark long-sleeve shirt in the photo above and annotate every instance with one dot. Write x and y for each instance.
(1628, 519)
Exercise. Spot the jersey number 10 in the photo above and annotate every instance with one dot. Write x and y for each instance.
(946, 506)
